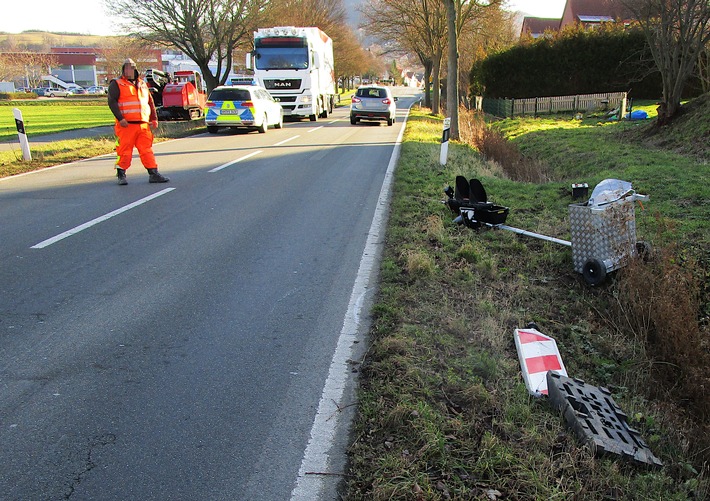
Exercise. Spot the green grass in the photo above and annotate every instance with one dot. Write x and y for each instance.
(48, 117)
(443, 411)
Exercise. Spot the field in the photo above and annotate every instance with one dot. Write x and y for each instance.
(50, 116)
(443, 410)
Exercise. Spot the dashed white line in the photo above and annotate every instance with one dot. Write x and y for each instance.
(224, 166)
(287, 140)
(98, 220)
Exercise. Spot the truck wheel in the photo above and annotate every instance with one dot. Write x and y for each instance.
(594, 272)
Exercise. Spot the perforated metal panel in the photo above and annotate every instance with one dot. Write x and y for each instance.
(607, 233)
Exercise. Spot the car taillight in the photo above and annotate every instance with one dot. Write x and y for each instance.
(387, 101)
(356, 99)
(247, 104)
(210, 104)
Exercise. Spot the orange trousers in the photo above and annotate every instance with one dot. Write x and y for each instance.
(137, 136)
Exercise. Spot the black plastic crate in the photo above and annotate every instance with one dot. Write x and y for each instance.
(597, 420)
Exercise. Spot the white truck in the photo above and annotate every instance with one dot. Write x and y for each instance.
(296, 66)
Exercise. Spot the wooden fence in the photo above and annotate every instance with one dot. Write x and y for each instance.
(534, 106)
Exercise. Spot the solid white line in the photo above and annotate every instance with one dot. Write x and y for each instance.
(316, 456)
(287, 140)
(98, 220)
(235, 161)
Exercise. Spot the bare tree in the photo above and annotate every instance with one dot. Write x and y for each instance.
(458, 14)
(206, 30)
(114, 51)
(677, 32)
(704, 67)
(328, 15)
(351, 58)
(415, 26)
(26, 66)
(481, 36)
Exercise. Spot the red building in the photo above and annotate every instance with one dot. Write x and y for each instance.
(87, 66)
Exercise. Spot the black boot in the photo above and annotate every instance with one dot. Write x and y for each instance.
(121, 174)
(156, 177)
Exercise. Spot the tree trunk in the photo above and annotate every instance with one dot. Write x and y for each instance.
(211, 81)
(427, 79)
(452, 80)
(436, 83)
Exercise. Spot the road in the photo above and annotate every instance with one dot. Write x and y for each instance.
(196, 339)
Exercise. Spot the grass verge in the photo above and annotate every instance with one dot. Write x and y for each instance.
(51, 116)
(443, 411)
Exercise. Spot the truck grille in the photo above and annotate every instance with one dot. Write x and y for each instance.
(283, 84)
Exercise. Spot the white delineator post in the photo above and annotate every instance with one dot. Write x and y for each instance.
(445, 141)
(24, 144)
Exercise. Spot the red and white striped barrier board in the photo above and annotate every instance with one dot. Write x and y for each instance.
(537, 354)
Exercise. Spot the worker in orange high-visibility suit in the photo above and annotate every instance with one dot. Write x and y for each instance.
(132, 105)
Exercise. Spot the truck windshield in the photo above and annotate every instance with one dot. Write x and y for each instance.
(281, 58)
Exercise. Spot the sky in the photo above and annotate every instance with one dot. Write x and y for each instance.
(87, 17)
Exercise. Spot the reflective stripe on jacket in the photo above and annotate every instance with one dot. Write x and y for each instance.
(134, 100)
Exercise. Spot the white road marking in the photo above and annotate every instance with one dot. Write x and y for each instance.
(287, 140)
(224, 166)
(98, 220)
(316, 456)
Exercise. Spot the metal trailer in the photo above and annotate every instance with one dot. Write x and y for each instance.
(603, 234)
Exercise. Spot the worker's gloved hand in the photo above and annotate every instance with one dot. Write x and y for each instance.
(123, 122)
(154, 124)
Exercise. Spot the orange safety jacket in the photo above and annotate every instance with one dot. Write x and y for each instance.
(134, 101)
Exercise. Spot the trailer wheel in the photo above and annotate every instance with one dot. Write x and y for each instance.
(644, 251)
(594, 272)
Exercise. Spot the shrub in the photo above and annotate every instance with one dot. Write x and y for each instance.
(492, 145)
(657, 304)
(11, 96)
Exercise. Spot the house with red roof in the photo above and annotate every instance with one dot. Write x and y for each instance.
(588, 13)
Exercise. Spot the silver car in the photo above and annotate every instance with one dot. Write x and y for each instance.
(373, 102)
(56, 92)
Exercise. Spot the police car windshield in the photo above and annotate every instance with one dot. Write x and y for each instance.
(281, 58)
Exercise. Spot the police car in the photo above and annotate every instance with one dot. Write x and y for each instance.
(242, 106)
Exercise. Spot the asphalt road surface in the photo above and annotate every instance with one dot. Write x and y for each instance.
(195, 340)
